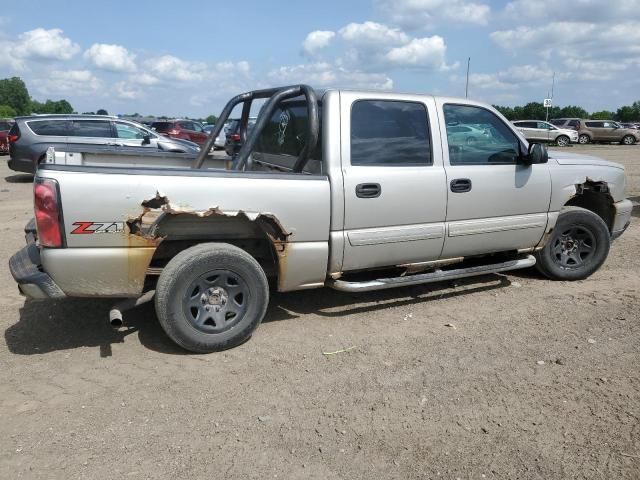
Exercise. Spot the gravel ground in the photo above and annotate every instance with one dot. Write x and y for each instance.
(502, 376)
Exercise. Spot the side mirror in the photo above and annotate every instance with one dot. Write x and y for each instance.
(537, 153)
(146, 139)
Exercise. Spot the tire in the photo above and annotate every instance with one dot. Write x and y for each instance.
(583, 139)
(563, 141)
(578, 246)
(211, 297)
(628, 140)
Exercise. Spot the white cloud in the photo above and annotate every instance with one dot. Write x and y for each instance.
(428, 52)
(114, 58)
(323, 74)
(41, 44)
(422, 14)
(126, 91)
(144, 79)
(74, 82)
(594, 11)
(174, 68)
(317, 40)
(372, 34)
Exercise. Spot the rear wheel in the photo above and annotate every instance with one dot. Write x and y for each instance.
(211, 297)
(563, 141)
(584, 139)
(628, 140)
(577, 247)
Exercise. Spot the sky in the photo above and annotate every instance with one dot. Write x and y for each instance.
(188, 58)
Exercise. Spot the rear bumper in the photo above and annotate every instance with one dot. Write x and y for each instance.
(25, 269)
(622, 217)
(21, 165)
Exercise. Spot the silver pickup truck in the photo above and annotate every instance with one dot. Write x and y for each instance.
(351, 190)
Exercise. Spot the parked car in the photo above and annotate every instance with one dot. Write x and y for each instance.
(233, 140)
(607, 131)
(220, 139)
(332, 193)
(599, 131)
(184, 129)
(634, 126)
(5, 126)
(541, 131)
(30, 137)
(466, 134)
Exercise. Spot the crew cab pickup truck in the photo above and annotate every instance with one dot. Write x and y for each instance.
(351, 190)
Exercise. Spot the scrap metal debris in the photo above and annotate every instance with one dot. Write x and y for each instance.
(339, 351)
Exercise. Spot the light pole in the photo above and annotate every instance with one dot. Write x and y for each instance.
(466, 88)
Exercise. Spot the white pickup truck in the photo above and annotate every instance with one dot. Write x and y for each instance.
(351, 190)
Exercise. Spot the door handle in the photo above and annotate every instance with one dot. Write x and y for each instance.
(368, 190)
(460, 185)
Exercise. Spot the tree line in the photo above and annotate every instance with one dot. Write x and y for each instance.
(15, 100)
(536, 111)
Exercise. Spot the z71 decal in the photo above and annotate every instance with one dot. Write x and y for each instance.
(87, 228)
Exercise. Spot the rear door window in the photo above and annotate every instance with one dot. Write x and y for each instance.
(392, 133)
(594, 124)
(92, 128)
(56, 128)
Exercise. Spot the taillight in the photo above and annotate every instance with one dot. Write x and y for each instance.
(173, 131)
(13, 138)
(47, 211)
(235, 137)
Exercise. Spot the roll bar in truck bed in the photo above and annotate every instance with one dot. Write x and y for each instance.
(275, 96)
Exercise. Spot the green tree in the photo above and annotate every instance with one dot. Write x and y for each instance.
(6, 111)
(506, 111)
(14, 93)
(603, 115)
(629, 113)
(211, 119)
(102, 111)
(51, 106)
(572, 111)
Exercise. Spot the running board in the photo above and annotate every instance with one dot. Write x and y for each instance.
(435, 276)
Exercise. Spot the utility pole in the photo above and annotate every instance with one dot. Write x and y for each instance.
(553, 83)
(466, 89)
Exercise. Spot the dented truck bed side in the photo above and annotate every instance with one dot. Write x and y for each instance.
(132, 205)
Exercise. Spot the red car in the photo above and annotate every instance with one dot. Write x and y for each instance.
(184, 129)
(5, 126)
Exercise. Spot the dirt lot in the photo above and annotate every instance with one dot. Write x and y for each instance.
(414, 398)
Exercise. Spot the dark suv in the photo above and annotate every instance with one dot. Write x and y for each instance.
(184, 129)
(30, 137)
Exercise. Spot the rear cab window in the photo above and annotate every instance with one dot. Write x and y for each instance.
(284, 136)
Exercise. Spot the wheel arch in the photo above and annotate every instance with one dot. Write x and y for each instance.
(595, 197)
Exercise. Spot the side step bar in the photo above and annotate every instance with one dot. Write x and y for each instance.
(435, 276)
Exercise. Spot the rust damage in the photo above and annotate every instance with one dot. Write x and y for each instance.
(143, 229)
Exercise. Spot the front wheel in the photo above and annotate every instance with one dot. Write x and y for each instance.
(628, 140)
(211, 297)
(563, 141)
(584, 139)
(577, 247)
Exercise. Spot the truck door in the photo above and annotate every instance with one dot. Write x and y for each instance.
(394, 181)
(494, 203)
